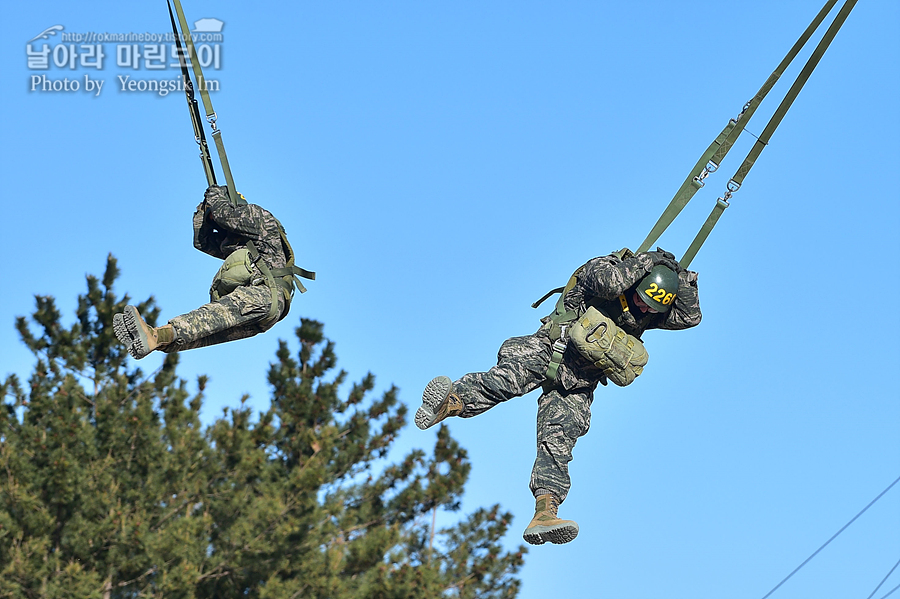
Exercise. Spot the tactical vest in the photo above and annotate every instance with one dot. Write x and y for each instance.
(596, 336)
(237, 270)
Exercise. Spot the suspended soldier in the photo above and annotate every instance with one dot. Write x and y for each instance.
(250, 292)
(592, 336)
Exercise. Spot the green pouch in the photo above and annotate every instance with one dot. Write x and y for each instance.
(237, 270)
(620, 356)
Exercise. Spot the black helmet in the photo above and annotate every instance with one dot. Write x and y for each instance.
(658, 288)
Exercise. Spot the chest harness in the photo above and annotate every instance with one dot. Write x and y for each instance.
(238, 270)
(594, 334)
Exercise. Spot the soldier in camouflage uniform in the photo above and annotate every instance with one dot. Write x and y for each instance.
(610, 284)
(244, 302)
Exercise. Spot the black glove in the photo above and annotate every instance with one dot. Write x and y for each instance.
(664, 258)
(667, 259)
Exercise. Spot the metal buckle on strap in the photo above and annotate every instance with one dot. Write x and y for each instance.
(560, 344)
(709, 169)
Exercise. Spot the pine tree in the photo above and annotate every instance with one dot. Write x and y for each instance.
(110, 487)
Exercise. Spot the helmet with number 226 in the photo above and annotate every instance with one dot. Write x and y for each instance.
(658, 288)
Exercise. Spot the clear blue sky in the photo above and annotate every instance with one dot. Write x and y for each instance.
(442, 165)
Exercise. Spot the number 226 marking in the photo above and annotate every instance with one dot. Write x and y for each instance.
(659, 294)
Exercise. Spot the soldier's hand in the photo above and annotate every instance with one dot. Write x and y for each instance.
(664, 258)
(664, 253)
(214, 192)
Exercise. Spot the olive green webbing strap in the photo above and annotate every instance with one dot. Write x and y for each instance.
(193, 109)
(723, 143)
(807, 70)
(546, 296)
(751, 106)
(207, 102)
(704, 232)
(294, 272)
(735, 183)
(290, 269)
(270, 281)
(559, 320)
(691, 184)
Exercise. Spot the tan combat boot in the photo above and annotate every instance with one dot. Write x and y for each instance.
(546, 527)
(438, 402)
(139, 337)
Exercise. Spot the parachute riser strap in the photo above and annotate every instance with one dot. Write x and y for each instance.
(717, 151)
(692, 183)
(735, 183)
(226, 168)
(704, 232)
(750, 107)
(791, 95)
(192, 56)
(207, 102)
(193, 108)
(204, 148)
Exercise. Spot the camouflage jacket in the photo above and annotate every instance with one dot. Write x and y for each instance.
(601, 281)
(221, 228)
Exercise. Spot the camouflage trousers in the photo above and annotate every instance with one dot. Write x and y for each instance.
(563, 415)
(240, 314)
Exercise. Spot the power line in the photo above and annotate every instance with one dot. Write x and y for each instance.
(891, 592)
(884, 579)
(816, 552)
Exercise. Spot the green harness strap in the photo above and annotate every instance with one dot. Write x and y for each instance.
(290, 272)
(270, 283)
(709, 161)
(762, 141)
(789, 98)
(561, 318)
(207, 102)
(281, 279)
(704, 232)
(559, 321)
(193, 109)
